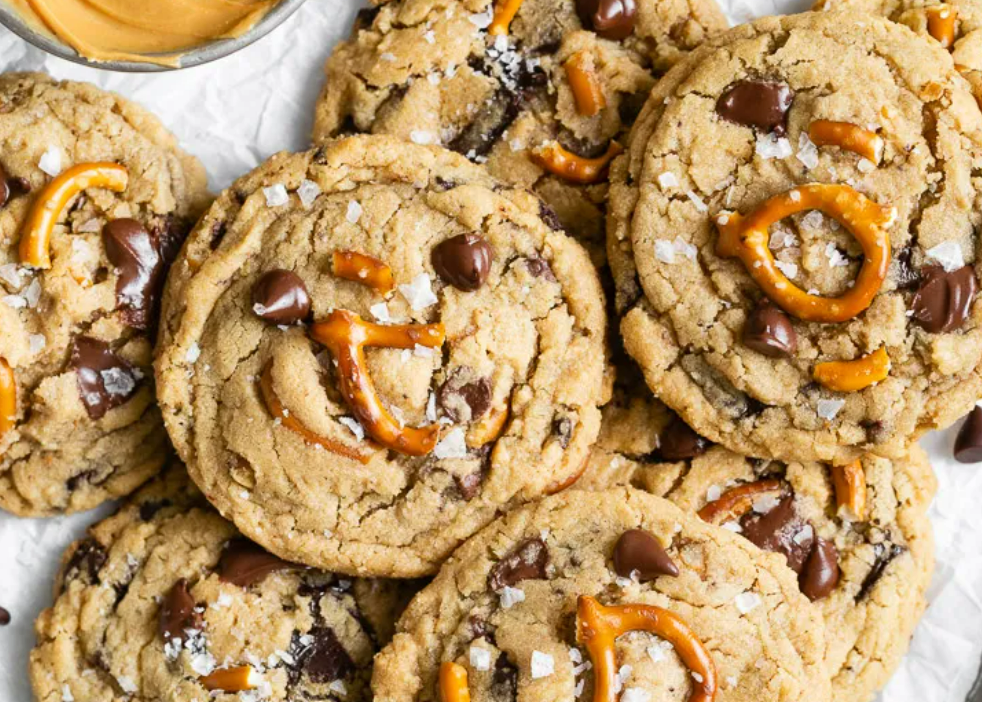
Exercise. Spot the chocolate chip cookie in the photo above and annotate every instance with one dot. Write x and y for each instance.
(371, 349)
(166, 602)
(95, 201)
(793, 239)
(602, 596)
(541, 90)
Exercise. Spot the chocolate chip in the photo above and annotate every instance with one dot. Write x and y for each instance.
(611, 19)
(463, 401)
(904, 275)
(464, 261)
(469, 485)
(756, 103)
(884, 557)
(323, 659)
(540, 268)
(86, 562)
(11, 187)
(821, 571)
(782, 531)
(943, 300)
(637, 550)
(177, 612)
(527, 562)
(105, 380)
(244, 563)
(281, 297)
(968, 444)
(504, 680)
(768, 330)
(148, 510)
(490, 122)
(4, 617)
(138, 262)
(549, 216)
(678, 442)
(562, 427)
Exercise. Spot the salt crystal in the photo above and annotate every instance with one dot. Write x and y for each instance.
(453, 445)
(118, 382)
(667, 180)
(806, 534)
(419, 293)
(480, 658)
(127, 684)
(697, 201)
(380, 311)
(308, 192)
(807, 151)
(635, 694)
(772, 146)
(193, 354)
(766, 503)
(421, 136)
(664, 251)
(714, 493)
(789, 269)
(50, 161)
(429, 37)
(357, 429)
(354, 212)
(813, 220)
(747, 602)
(15, 301)
(484, 19)
(339, 687)
(276, 195)
(836, 257)
(10, 274)
(33, 293)
(423, 351)
(948, 255)
(828, 409)
(511, 596)
(542, 665)
(733, 526)
(66, 694)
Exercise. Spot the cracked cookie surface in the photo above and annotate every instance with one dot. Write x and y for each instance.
(166, 602)
(265, 417)
(80, 424)
(505, 609)
(747, 374)
(431, 72)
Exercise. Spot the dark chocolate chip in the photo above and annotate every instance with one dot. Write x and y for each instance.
(464, 261)
(637, 550)
(244, 563)
(904, 275)
(768, 330)
(177, 613)
(281, 297)
(756, 103)
(469, 485)
(884, 557)
(527, 562)
(504, 680)
(464, 401)
(105, 380)
(678, 442)
(218, 231)
(4, 617)
(148, 510)
(323, 659)
(131, 249)
(490, 122)
(549, 216)
(540, 268)
(11, 187)
(821, 572)
(562, 427)
(780, 530)
(611, 19)
(943, 300)
(86, 562)
(968, 444)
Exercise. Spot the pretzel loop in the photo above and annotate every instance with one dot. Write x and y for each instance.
(850, 489)
(8, 398)
(453, 683)
(854, 375)
(847, 136)
(735, 503)
(597, 628)
(237, 679)
(504, 13)
(941, 23)
(35, 240)
(572, 167)
(588, 93)
(746, 237)
(364, 269)
(346, 335)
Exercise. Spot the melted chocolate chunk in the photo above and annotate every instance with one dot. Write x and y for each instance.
(86, 562)
(280, 297)
(549, 216)
(782, 531)
(968, 444)
(105, 380)
(469, 485)
(4, 617)
(464, 401)
(678, 442)
(177, 613)
(148, 510)
(11, 187)
(562, 427)
(760, 104)
(244, 563)
(464, 261)
(540, 268)
(504, 680)
(943, 300)
(611, 19)
(821, 572)
(637, 550)
(884, 557)
(527, 562)
(904, 275)
(139, 264)
(322, 660)
(494, 117)
(768, 330)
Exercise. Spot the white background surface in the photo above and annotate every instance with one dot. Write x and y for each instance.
(233, 114)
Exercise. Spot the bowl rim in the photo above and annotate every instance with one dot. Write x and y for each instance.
(198, 56)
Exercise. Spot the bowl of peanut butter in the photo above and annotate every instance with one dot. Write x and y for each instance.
(143, 35)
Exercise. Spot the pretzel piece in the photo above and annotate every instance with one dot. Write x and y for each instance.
(237, 679)
(847, 136)
(588, 93)
(504, 13)
(346, 335)
(364, 269)
(569, 166)
(278, 411)
(35, 240)
(850, 489)
(735, 503)
(453, 683)
(941, 23)
(8, 398)
(746, 237)
(597, 628)
(854, 375)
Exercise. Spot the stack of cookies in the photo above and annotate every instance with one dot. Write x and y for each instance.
(582, 358)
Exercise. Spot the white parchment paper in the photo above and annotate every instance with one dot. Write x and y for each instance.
(235, 113)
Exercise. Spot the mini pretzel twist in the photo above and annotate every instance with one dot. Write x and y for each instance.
(569, 166)
(597, 628)
(850, 488)
(746, 237)
(854, 375)
(735, 503)
(941, 23)
(35, 240)
(504, 13)
(237, 679)
(363, 269)
(276, 409)
(588, 93)
(8, 398)
(346, 335)
(453, 683)
(847, 136)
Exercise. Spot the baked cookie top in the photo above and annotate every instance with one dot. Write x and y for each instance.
(371, 348)
(608, 595)
(793, 239)
(166, 602)
(95, 201)
(505, 84)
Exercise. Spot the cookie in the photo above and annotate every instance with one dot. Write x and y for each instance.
(166, 601)
(497, 87)
(752, 308)
(95, 201)
(371, 349)
(583, 595)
